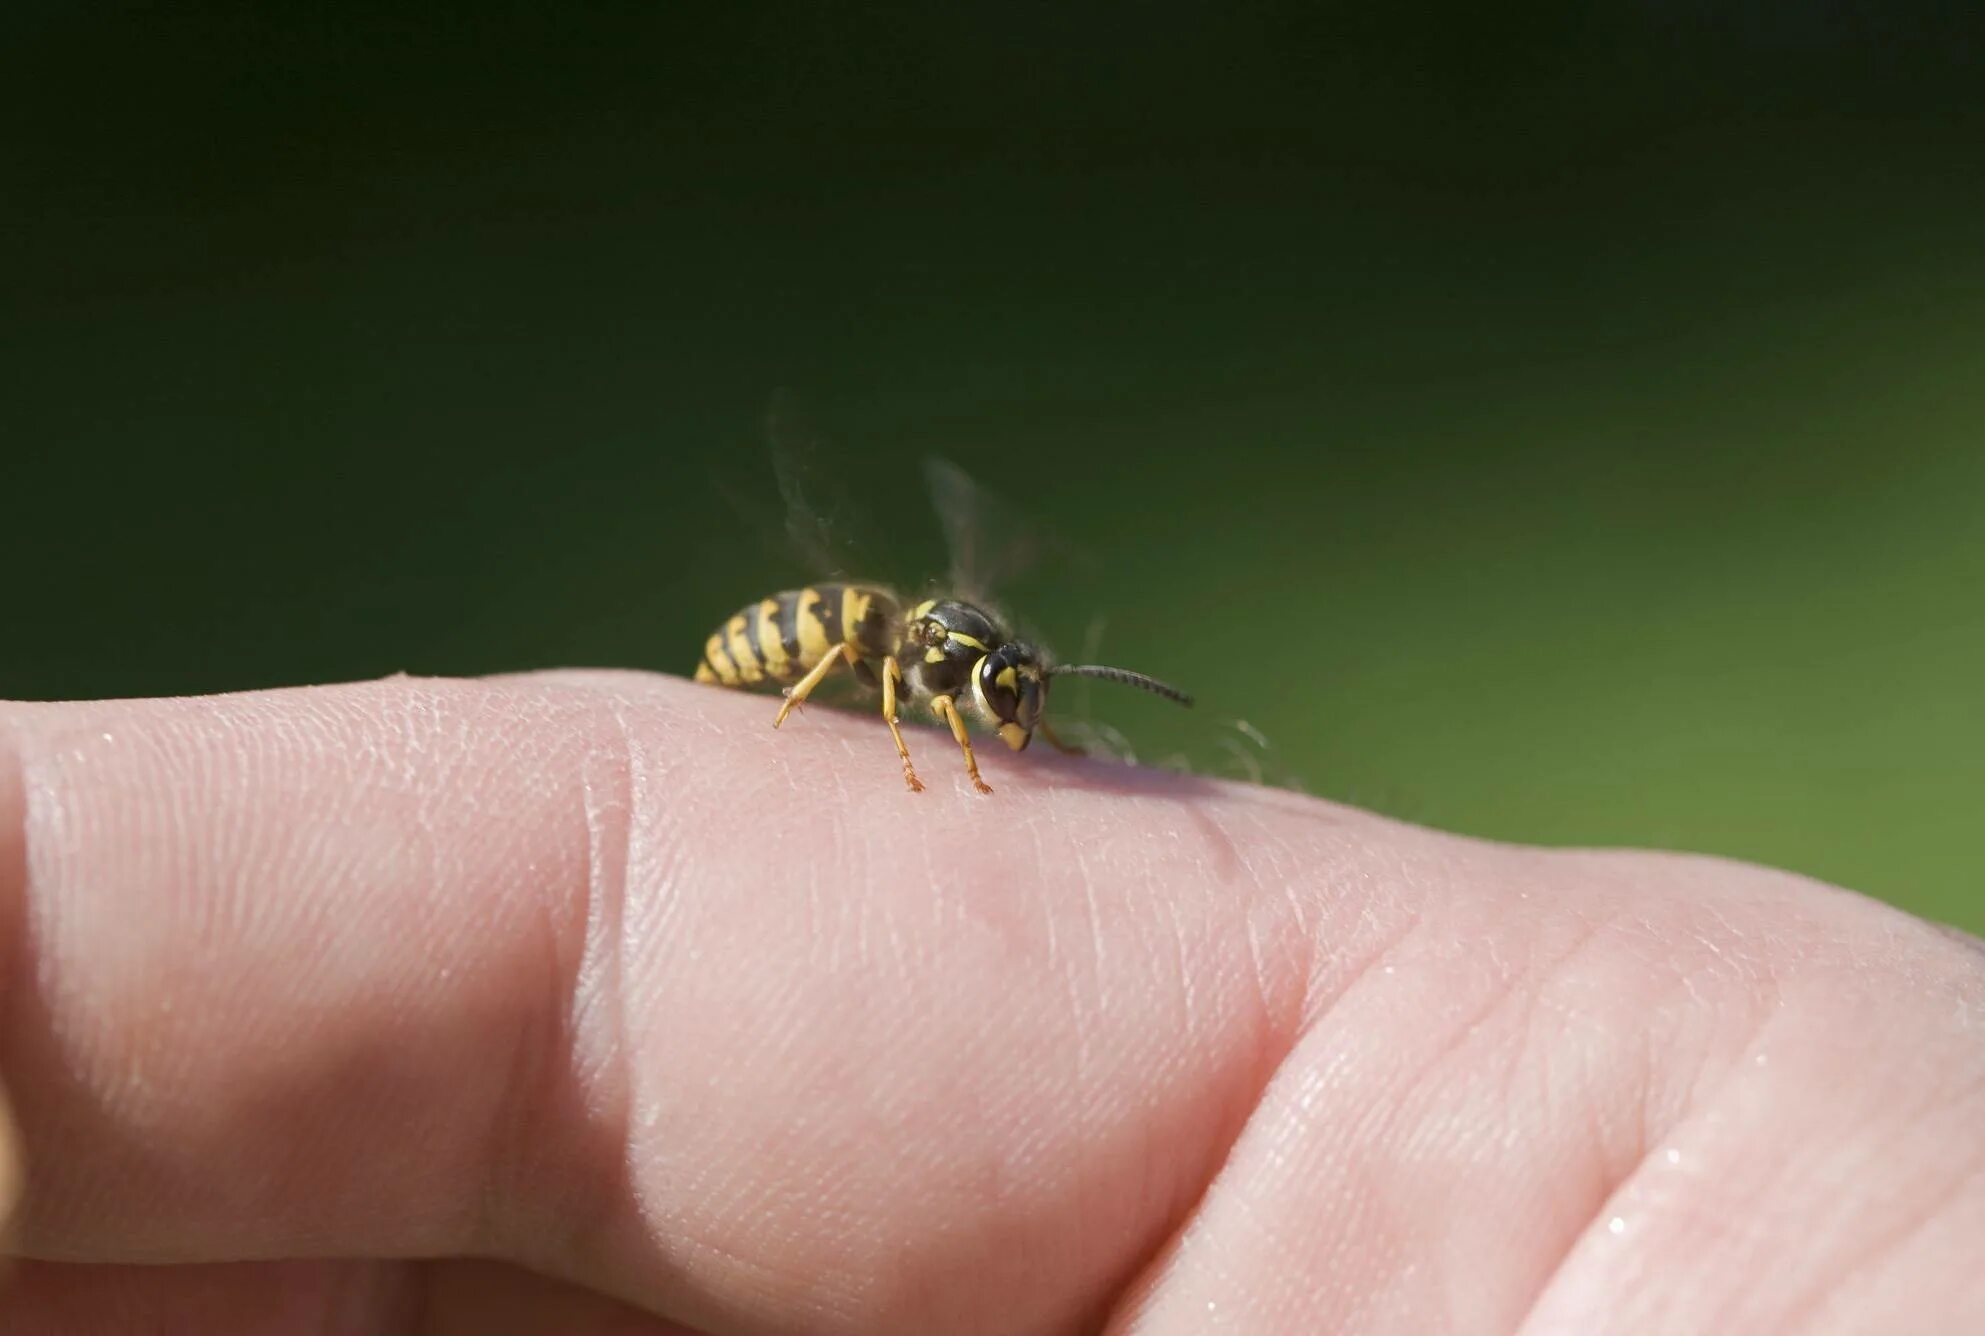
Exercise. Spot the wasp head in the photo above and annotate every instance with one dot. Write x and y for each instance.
(1012, 685)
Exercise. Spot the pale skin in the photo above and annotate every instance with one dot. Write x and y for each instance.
(590, 1003)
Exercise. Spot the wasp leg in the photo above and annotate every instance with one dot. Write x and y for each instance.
(949, 713)
(892, 673)
(797, 693)
(1065, 748)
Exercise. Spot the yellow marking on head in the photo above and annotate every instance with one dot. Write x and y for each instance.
(720, 659)
(978, 681)
(923, 608)
(704, 674)
(769, 640)
(934, 655)
(854, 608)
(814, 644)
(747, 663)
(1008, 678)
(1014, 736)
(973, 641)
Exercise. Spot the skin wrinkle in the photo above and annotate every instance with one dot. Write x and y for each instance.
(35, 991)
(1654, 1130)
(1715, 1089)
(625, 936)
(1288, 898)
(707, 1246)
(1830, 1290)
(1281, 1043)
(1693, 1077)
(1575, 1260)
(1587, 934)
(1057, 955)
(1592, 1111)
(1098, 956)
(1504, 987)
(1180, 1199)
(610, 834)
(1363, 972)
(247, 938)
(1071, 967)
(1294, 1122)
(1258, 968)
(1183, 993)
(558, 1072)
(859, 923)
(432, 745)
(1186, 1205)
(46, 814)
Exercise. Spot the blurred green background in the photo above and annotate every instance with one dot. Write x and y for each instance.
(1559, 423)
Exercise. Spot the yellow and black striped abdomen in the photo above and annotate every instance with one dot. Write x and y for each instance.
(778, 639)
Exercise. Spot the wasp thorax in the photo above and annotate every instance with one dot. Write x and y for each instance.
(946, 619)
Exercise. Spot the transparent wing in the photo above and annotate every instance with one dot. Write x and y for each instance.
(793, 500)
(992, 544)
(822, 525)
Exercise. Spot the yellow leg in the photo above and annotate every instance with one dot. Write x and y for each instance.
(797, 693)
(892, 673)
(948, 712)
(1065, 748)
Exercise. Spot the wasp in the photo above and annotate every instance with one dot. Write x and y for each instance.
(946, 654)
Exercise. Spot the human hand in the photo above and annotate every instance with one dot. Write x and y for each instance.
(586, 1003)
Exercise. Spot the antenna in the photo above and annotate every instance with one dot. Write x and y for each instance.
(1123, 675)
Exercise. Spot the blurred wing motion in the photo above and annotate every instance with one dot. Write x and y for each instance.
(992, 545)
(932, 653)
(820, 519)
(794, 518)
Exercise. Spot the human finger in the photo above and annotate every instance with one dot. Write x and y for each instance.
(622, 984)
(611, 979)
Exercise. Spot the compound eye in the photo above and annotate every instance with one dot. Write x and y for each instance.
(996, 685)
